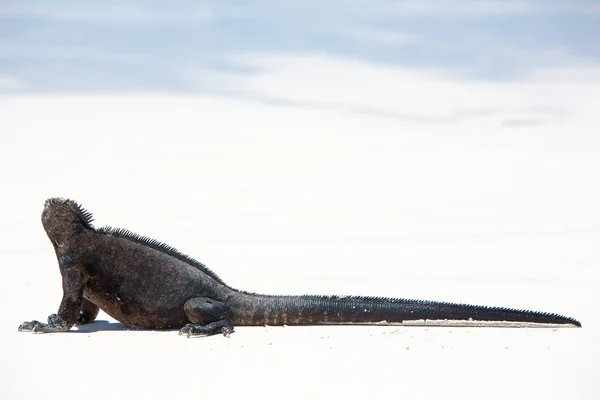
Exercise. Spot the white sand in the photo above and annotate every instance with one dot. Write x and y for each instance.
(283, 200)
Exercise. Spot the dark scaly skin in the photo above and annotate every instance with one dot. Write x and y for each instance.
(144, 283)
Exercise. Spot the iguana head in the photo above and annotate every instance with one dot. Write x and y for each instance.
(63, 218)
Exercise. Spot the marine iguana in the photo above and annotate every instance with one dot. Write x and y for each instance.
(144, 283)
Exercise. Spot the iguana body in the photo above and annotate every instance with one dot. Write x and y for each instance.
(144, 283)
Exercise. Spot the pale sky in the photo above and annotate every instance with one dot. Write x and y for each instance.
(116, 46)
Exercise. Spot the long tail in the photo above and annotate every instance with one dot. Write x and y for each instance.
(254, 309)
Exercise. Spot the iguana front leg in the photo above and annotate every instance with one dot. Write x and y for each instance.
(89, 312)
(207, 317)
(69, 309)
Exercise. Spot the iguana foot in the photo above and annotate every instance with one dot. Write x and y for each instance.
(207, 317)
(55, 324)
(30, 326)
(213, 328)
(227, 330)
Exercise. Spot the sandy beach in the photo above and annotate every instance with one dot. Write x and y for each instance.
(287, 201)
(107, 359)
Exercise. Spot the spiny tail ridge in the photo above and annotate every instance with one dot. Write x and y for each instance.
(303, 310)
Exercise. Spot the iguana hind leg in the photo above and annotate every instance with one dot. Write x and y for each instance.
(207, 317)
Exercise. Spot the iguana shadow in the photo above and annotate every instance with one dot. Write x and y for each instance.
(101, 326)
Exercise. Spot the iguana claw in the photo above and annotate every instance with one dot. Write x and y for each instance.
(31, 326)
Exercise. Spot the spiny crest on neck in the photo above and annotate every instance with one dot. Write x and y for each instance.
(84, 215)
(86, 219)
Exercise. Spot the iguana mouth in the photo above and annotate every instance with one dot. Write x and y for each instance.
(54, 241)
